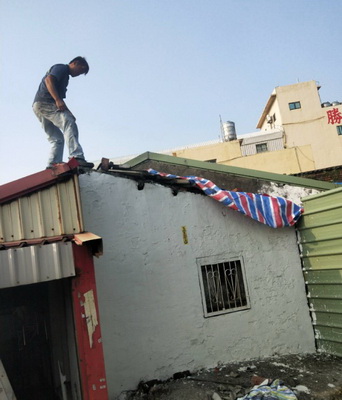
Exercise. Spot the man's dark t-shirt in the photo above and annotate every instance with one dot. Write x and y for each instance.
(61, 74)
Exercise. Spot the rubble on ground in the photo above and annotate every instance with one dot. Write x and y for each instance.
(311, 377)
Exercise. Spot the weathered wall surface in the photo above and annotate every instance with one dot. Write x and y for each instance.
(293, 193)
(149, 294)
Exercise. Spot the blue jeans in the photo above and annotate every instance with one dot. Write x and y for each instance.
(59, 126)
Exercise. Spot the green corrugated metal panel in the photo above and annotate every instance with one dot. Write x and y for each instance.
(328, 320)
(330, 347)
(320, 237)
(325, 203)
(326, 305)
(318, 197)
(322, 247)
(329, 333)
(323, 276)
(323, 232)
(323, 262)
(325, 291)
(49, 212)
(249, 173)
(318, 219)
(322, 208)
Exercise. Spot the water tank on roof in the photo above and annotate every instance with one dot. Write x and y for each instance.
(229, 132)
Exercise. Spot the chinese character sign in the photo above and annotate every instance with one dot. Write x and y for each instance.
(334, 116)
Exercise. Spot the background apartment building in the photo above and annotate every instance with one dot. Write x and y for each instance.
(297, 133)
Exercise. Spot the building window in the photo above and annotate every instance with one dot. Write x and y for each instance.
(339, 129)
(295, 105)
(223, 287)
(261, 147)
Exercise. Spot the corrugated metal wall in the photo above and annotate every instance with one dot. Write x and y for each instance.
(50, 212)
(274, 142)
(320, 237)
(33, 264)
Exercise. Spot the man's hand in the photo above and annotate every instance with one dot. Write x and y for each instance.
(61, 105)
(50, 84)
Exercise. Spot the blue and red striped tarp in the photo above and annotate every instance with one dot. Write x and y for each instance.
(276, 212)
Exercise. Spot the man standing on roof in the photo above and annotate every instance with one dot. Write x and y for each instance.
(51, 110)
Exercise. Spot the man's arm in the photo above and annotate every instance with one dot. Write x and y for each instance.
(50, 84)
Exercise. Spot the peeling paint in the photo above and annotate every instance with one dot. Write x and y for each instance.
(293, 193)
(91, 314)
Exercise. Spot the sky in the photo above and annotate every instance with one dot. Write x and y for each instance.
(161, 72)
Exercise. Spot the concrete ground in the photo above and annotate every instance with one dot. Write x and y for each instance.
(311, 377)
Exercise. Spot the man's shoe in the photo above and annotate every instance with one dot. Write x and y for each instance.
(83, 163)
(54, 165)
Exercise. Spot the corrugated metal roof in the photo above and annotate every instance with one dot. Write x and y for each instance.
(33, 264)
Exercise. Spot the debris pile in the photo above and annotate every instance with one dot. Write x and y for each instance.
(307, 377)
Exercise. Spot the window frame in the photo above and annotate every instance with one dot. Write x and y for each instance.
(261, 144)
(339, 130)
(295, 105)
(222, 260)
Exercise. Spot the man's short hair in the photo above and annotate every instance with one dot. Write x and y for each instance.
(81, 61)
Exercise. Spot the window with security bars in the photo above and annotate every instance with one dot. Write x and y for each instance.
(223, 287)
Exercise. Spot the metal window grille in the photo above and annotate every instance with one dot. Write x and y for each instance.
(223, 287)
(261, 147)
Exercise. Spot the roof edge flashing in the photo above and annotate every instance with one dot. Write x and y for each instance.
(31, 183)
(139, 159)
(244, 172)
(90, 239)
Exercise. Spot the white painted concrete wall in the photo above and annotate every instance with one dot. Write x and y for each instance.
(149, 294)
